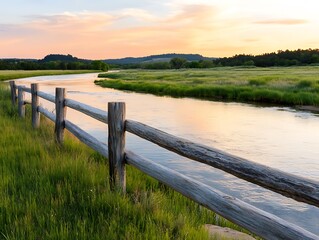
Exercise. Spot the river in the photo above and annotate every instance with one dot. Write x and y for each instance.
(279, 137)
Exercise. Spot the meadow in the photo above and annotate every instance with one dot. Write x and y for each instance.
(49, 191)
(15, 74)
(275, 85)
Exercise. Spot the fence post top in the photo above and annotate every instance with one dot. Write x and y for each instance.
(34, 85)
(116, 103)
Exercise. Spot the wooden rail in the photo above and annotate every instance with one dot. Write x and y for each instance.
(298, 188)
(87, 139)
(257, 221)
(88, 110)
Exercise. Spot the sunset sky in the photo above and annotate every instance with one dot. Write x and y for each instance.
(103, 29)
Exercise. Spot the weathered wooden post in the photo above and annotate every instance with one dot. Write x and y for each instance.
(116, 145)
(34, 105)
(60, 114)
(13, 92)
(21, 104)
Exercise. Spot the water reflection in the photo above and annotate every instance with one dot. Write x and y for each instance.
(282, 138)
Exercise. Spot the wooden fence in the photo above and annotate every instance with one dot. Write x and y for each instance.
(255, 220)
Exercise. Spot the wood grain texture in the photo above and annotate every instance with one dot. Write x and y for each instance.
(35, 105)
(87, 139)
(47, 113)
(116, 145)
(93, 112)
(46, 96)
(21, 104)
(298, 188)
(255, 220)
(26, 89)
(60, 110)
(13, 90)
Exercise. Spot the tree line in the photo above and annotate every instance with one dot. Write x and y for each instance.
(174, 63)
(53, 62)
(67, 62)
(281, 58)
(53, 65)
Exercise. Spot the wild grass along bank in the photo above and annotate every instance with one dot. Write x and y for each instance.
(276, 85)
(15, 74)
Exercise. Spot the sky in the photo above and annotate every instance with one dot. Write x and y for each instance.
(103, 29)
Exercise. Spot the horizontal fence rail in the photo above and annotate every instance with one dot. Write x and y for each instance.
(257, 221)
(93, 112)
(24, 88)
(47, 113)
(289, 185)
(87, 138)
(47, 96)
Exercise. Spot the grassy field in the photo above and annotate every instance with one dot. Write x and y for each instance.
(52, 192)
(9, 74)
(277, 85)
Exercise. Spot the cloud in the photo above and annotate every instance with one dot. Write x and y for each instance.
(193, 28)
(101, 35)
(137, 13)
(283, 21)
(84, 21)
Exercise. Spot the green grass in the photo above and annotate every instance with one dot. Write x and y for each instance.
(277, 85)
(52, 192)
(14, 74)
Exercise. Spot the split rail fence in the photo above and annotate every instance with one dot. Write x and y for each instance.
(261, 223)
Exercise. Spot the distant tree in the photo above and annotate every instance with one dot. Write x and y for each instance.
(315, 58)
(63, 65)
(99, 65)
(192, 64)
(206, 63)
(249, 63)
(177, 62)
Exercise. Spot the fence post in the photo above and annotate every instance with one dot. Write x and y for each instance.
(13, 92)
(34, 105)
(60, 114)
(21, 104)
(116, 145)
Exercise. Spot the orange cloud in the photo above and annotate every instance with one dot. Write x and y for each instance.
(283, 21)
(96, 35)
(196, 28)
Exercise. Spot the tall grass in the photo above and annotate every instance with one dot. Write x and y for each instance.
(287, 86)
(15, 74)
(61, 192)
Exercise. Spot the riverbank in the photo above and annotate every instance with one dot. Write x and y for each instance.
(48, 191)
(278, 85)
(15, 74)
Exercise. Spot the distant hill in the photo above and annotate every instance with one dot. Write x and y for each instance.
(62, 58)
(157, 58)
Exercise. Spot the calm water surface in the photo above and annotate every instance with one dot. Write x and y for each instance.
(278, 137)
